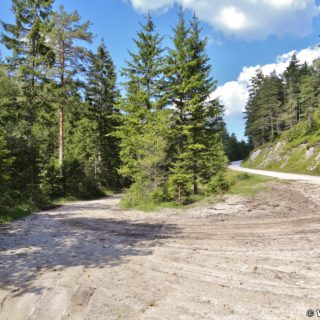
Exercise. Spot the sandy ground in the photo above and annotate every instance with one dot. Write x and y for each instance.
(242, 258)
(279, 175)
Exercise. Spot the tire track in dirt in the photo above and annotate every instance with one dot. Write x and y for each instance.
(241, 258)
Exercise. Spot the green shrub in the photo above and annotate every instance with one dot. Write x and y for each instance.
(76, 183)
(160, 195)
(135, 195)
(50, 179)
(218, 184)
(179, 187)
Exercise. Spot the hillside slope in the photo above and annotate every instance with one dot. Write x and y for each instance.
(295, 151)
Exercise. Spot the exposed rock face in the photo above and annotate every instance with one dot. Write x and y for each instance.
(282, 157)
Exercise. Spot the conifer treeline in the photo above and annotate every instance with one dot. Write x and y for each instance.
(170, 140)
(278, 103)
(65, 129)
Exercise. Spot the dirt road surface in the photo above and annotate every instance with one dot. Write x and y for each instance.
(236, 166)
(242, 258)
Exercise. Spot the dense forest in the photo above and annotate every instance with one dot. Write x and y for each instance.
(68, 129)
(279, 103)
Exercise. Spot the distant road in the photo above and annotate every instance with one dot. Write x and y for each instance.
(236, 166)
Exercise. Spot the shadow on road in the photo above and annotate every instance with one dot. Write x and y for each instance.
(55, 242)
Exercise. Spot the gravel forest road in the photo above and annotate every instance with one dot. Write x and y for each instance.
(279, 175)
(252, 257)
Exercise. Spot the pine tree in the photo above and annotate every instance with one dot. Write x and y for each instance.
(308, 96)
(255, 117)
(70, 57)
(102, 96)
(279, 103)
(292, 77)
(271, 100)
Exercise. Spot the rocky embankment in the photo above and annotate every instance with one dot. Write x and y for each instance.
(281, 156)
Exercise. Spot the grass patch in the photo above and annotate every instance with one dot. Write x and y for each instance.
(62, 200)
(9, 215)
(239, 183)
(246, 184)
(150, 206)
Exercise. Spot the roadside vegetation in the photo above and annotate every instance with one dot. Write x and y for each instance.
(297, 150)
(246, 184)
(286, 103)
(234, 182)
(283, 119)
(70, 130)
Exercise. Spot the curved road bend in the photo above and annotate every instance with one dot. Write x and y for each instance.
(236, 166)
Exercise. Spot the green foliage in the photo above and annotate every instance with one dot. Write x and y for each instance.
(278, 104)
(180, 180)
(50, 179)
(102, 96)
(65, 132)
(76, 182)
(246, 184)
(197, 151)
(145, 126)
(296, 150)
(235, 150)
(44, 66)
(66, 33)
(218, 184)
(8, 215)
(6, 161)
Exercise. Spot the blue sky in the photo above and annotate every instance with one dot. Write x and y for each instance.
(243, 34)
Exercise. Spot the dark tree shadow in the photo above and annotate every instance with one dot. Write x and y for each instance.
(54, 241)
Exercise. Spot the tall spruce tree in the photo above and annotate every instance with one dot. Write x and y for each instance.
(270, 104)
(292, 77)
(178, 75)
(30, 56)
(11, 173)
(102, 96)
(144, 124)
(205, 145)
(309, 92)
(198, 151)
(255, 119)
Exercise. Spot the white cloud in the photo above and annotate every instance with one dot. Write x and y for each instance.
(145, 5)
(234, 94)
(249, 19)
(232, 18)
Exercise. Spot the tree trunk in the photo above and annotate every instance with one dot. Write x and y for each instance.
(61, 137)
(310, 121)
(195, 178)
(272, 128)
